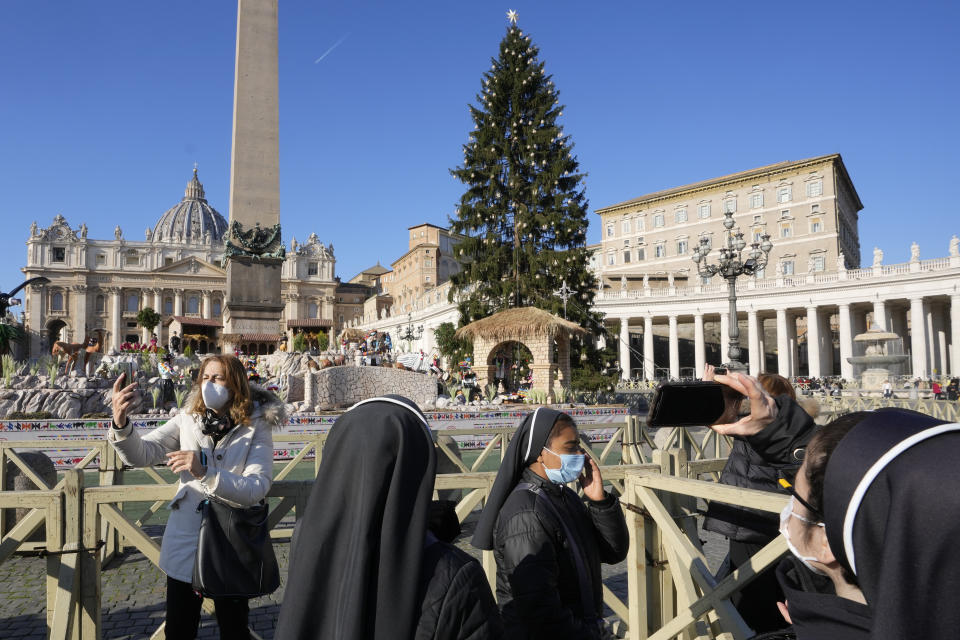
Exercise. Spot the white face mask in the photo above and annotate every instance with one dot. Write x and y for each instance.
(215, 396)
(785, 531)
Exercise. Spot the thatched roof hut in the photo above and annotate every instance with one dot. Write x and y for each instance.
(523, 322)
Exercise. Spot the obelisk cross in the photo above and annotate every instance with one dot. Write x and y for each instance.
(565, 293)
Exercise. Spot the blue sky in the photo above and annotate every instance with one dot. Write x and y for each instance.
(105, 106)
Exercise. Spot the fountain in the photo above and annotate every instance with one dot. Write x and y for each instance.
(876, 358)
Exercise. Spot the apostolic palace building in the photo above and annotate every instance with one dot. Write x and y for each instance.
(175, 270)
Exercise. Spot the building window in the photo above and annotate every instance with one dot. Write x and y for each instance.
(341, 318)
(427, 262)
(638, 224)
(730, 206)
(659, 250)
(814, 208)
(786, 230)
(312, 310)
(756, 200)
(680, 215)
(658, 220)
(132, 258)
(611, 259)
(193, 304)
(626, 256)
(814, 189)
(784, 194)
(101, 304)
(168, 306)
(625, 226)
(787, 267)
(816, 225)
(59, 254)
(757, 232)
(682, 246)
(703, 211)
(167, 262)
(101, 259)
(641, 254)
(817, 263)
(757, 219)
(610, 230)
(216, 308)
(133, 303)
(312, 268)
(785, 213)
(426, 278)
(56, 302)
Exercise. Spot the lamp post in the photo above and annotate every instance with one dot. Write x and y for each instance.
(7, 300)
(410, 333)
(730, 266)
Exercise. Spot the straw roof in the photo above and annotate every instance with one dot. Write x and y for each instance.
(524, 322)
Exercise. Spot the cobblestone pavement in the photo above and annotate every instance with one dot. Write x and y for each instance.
(134, 592)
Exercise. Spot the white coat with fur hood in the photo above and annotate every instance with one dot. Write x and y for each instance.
(239, 470)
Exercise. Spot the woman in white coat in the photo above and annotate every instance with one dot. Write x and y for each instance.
(221, 445)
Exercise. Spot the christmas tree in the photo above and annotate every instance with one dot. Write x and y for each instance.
(523, 215)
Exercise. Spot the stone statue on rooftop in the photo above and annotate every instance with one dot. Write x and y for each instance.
(877, 257)
(83, 229)
(955, 246)
(914, 252)
(118, 232)
(623, 283)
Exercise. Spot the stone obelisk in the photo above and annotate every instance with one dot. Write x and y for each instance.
(254, 251)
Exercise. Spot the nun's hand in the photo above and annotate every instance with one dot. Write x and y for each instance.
(763, 408)
(590, 480)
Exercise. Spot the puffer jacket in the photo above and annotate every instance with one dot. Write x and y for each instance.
(457, 603)
(239, 471)
(756, 462)
(537, 582)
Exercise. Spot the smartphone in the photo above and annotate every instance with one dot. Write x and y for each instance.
(126, 368)
(688, 404)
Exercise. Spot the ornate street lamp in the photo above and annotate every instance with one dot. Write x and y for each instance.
(7, 300)
(409, 332)
(730, 266)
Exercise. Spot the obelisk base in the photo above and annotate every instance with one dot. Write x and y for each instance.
(251, 315)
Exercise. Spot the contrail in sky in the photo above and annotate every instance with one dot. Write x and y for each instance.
(335, 45)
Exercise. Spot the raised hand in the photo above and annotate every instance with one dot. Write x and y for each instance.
(763, 408)
(121, 399)
(590, 480)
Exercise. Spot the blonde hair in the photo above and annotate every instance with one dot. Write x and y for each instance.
(241, 404)
(776, 385)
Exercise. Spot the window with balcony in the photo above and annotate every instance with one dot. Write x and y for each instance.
(703, 211)
(787, 267)
(756, 200)
(59, 254)
(784, 194)
(680, 215)
(817, 263)
(815, 189)
(658, 220)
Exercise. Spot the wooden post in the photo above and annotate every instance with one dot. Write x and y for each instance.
(54, 528)
(3, 484)
(637, 577)
(73, 536)
(90, 566)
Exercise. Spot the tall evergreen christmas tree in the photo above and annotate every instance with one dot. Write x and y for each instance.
(523, 215)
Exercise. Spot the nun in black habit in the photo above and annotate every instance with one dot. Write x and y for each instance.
(364, 564)
(548, 543)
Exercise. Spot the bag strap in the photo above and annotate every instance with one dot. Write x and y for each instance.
(583, 575)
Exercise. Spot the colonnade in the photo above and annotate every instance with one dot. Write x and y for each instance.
(801, 339)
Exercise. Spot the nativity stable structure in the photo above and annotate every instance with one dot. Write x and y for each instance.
(545, 335)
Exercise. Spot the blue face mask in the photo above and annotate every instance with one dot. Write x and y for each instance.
(571, 465)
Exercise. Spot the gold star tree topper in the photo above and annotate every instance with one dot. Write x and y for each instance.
(512, 16)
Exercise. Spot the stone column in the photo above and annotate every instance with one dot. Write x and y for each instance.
(178, 303)
(624, 348)
(36, 314)
(158, 301)
(813, 342)
(792, 344)
(753, 343)
(699, 348)
(207, 310)
(80, 313)
(918, 338)
(940, 331)
(649, 369)
(880, 315)
(783, 344)
(846, 341)
(115, 318)
(955, 335)
(674, 347)
(724, 337)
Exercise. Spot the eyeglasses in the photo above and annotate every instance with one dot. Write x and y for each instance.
(789, 489)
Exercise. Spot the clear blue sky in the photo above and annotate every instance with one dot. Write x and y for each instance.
(105, 106)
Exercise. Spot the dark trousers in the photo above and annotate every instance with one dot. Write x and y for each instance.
(757, 602)
(183, 613)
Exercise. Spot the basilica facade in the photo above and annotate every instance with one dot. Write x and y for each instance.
(99, 286)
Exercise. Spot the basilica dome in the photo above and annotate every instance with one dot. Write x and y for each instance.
(191, 219)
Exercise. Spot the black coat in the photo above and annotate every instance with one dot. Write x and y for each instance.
(756, 462)
(457, 603)
(816, 610)
(537, 581)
